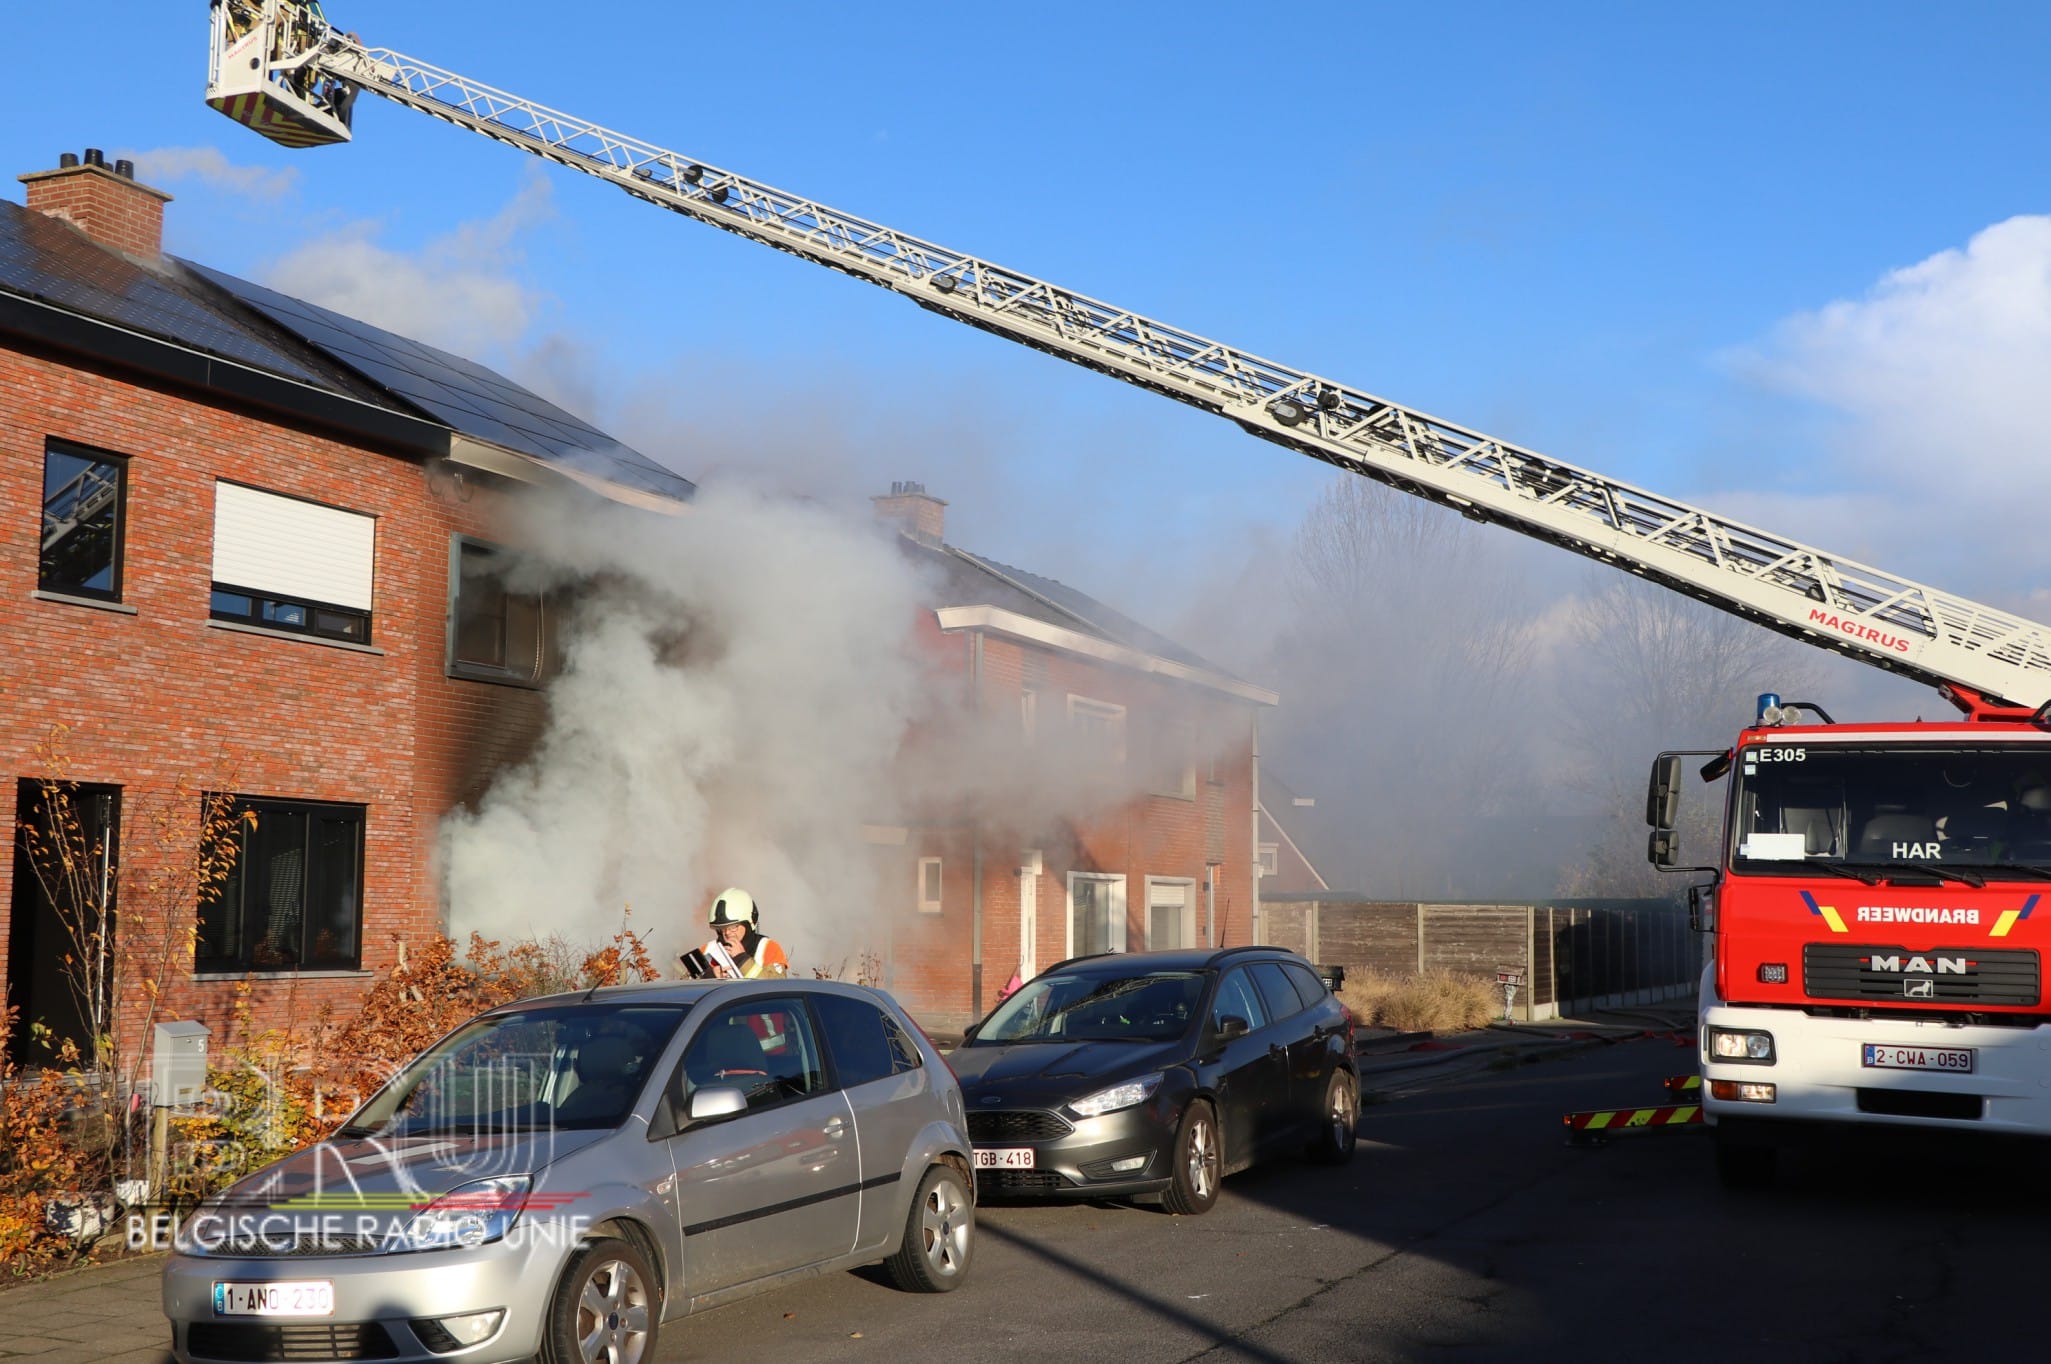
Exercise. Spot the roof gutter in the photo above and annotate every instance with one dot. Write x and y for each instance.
(63, 329)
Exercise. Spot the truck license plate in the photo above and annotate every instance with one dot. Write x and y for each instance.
(1957, 1060)
(1005, 1158)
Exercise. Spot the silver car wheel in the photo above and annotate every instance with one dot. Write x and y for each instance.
(944, 1229)
(1345, 1112)
(1203, 1159)
(613, 1315)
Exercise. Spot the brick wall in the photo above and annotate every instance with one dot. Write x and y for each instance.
(1142, 836)
(158, 695)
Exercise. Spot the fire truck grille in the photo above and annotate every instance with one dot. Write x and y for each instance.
(1938, 975)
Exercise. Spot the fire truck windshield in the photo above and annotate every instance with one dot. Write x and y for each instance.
(1905, 807)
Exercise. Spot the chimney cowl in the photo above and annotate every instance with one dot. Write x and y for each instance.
(66, 160)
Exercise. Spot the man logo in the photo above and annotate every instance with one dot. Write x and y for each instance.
(1919, 989)
(1919, 966)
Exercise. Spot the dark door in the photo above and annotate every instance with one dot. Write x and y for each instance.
(1252, 1071)
(65, 857)
(1294, 1029)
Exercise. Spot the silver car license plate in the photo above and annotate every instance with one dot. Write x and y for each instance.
(298, 1298)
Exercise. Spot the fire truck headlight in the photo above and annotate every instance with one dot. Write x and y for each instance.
(1731, 1044)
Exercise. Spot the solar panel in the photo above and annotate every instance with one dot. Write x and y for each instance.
(45, 259)
(467, 396)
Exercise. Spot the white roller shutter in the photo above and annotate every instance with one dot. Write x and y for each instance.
(282, 545)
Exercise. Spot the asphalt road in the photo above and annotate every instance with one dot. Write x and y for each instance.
(1466, 1228)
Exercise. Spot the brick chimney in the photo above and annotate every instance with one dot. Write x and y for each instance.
(107, 204)
(915, 511)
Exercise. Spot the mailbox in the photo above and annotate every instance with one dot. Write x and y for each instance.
(178, 1065)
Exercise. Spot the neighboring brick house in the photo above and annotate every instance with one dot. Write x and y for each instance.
(1166, 861)
(1285, 834)
(249, 546)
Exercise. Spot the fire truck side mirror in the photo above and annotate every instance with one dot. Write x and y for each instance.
(1663, 795)
(1662, 847)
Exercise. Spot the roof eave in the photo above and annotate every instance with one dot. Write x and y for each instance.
(998, 621)
(522, 467)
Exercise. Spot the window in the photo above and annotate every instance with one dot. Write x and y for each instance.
(1028, 714)
(1238, 998)
(1270, 859)
(1276, 991)
(500, 631)
(1096, 914)
(867, 1043)
(1171, 914)
(1171, 757)
(1099, 728)
(764, 1048)
(85, 498)
(1307, 984)
(287, 564)
(293, 900)
(929, 885)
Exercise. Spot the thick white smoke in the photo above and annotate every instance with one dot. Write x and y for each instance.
(736, 684)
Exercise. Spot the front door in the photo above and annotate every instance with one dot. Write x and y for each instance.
(775, 1187)
(1253, 1072)
(60, 941)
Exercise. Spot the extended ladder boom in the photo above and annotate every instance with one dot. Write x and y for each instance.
(279, 67)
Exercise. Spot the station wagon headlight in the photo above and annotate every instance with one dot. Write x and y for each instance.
(474, 1214)
(1122, 1095)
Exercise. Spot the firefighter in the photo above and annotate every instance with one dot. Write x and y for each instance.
(738, 948)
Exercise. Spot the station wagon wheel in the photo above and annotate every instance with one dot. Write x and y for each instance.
(939, 1235)
(606, 1308)
(1339, 1122)
(1199, 1163)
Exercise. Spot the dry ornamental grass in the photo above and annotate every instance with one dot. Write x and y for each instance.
(1435, 1001)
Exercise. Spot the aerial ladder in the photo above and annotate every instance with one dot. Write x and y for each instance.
(279, 67)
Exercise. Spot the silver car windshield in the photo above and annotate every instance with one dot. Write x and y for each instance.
(1151, 1007)
(1973, 810)
(578, 1066)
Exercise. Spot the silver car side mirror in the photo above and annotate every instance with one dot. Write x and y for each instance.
(717, 1101)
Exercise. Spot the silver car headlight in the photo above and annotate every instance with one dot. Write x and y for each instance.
(1122, 1095)
(473, 1214)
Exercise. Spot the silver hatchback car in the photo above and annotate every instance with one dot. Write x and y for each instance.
(558, 1177)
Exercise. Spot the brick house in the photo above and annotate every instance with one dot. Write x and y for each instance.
(1286, 836)
(265, 563)
(251, 551)
(1072, 692)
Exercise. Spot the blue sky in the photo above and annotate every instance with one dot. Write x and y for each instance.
(1658, 241)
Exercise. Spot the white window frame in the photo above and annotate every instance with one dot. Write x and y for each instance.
(1082, 708)
(1185, 884)
(1183, 730)
(1028, 714)
(1116, 939)
(1268, 861)
(932, 865)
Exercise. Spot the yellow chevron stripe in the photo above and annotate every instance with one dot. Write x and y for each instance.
(1830, 916)
(2004, 923)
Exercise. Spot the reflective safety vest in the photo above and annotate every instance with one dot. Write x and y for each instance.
(759, 956)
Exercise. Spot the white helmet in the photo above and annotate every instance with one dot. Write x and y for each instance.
(735, 906)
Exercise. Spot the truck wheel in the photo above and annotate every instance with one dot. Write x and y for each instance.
(939, 1234)
(606, 1308)
(1199, 1163)
(1743, 1165)
(1338, 1120)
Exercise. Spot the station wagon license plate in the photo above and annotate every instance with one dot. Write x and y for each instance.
(303, 1298)
(1957, 1060)
(1005, 1158)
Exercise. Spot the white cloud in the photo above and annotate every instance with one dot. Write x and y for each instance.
(209, 165)
(459, 291)
(1936, 466)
